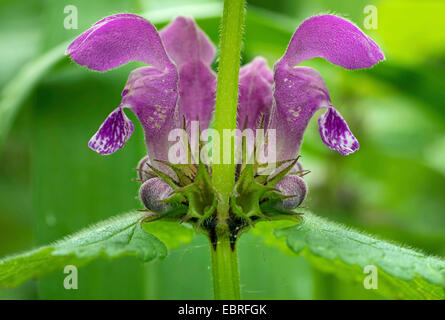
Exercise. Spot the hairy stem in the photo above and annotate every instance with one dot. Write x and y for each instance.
(224, 257)
(227, 91)
(225, 269)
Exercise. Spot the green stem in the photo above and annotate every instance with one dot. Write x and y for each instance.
(225, 270)
(224, 257)
(227, 92)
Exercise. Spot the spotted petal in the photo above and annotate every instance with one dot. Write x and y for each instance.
(113, 133)
(299, 93)
(334, 39)
(193, 53)
(335, 133)
(152, 95)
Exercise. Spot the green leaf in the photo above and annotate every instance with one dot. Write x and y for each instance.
(265, 229)
(116, 237)
(171, 233)
(402, 273)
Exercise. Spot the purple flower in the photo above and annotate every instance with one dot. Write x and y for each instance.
(298, 92)
(180, 84)
(288, 98)
(255, 94)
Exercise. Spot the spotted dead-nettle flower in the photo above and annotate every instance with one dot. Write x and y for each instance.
(180, 84)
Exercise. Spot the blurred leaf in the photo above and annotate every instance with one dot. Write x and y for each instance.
(266, 229)
(412, 30)
(197, 10)
(267, 33)
(184, 274)
(16, 91)
(402, 273)
(424, 84)
(112, 238)
(257, 261)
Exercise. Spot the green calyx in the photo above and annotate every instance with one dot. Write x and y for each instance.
(195, 200)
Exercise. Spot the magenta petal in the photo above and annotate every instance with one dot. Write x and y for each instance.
(299, 93)
(193, 52)
(116, 40)
(335, 132)
(185, 42)
(255, 94)
(197, 91)
(113, 133)
(335, 39)
(152, 95)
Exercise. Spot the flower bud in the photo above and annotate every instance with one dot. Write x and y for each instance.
(143, 169)
(291, 185)
(152, 192)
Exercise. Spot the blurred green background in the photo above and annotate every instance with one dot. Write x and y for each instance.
(51, 184)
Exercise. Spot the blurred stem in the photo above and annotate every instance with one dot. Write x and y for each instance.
(224, 257)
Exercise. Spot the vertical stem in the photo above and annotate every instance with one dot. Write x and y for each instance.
(225, 270)
(227, 91)
(224, 257)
